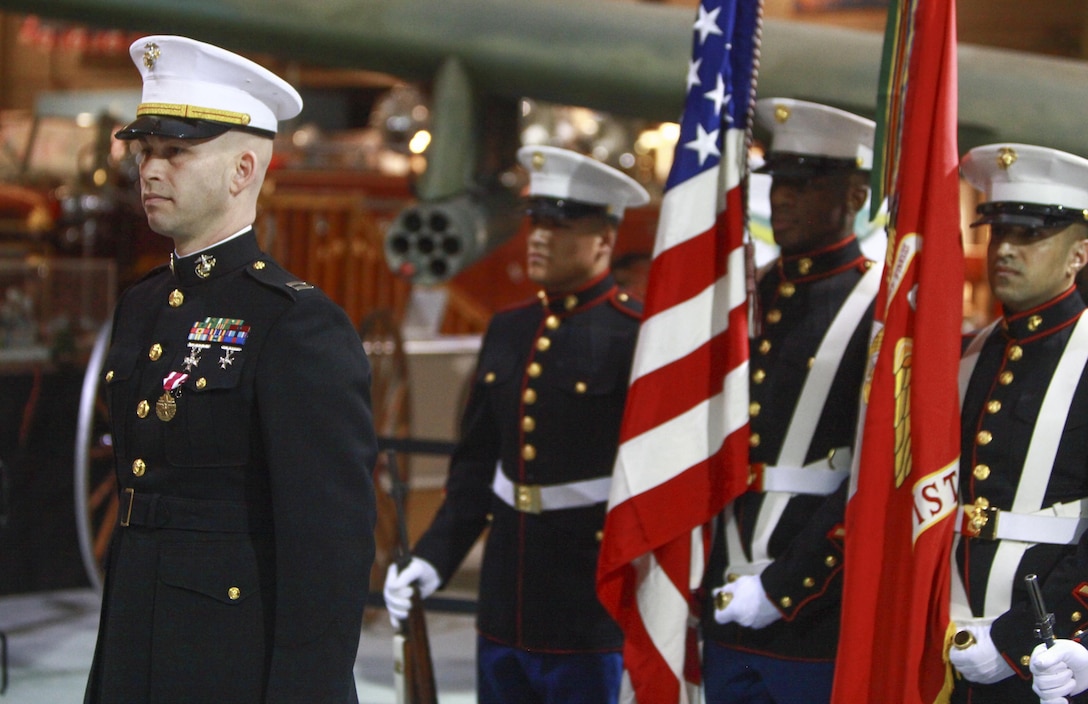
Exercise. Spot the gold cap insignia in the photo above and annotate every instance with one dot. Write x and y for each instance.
(1006, 157)
(781, 113)
(538, 160)
(151, 55)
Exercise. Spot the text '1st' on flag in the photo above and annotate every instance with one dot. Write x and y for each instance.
(900, 513)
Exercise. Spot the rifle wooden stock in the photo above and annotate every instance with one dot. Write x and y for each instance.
(416, 658)
(418, 667)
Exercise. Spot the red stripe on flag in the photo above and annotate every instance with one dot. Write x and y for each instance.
(677, 387)
(687, 268)
(637, 525)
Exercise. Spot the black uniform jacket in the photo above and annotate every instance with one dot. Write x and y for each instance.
(799, 298)
(240, 409)
(547, 402)
(1000, 408)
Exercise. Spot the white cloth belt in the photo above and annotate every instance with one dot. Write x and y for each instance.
(536, 498)
(1043, 527)
(779, 485)
(814, 478)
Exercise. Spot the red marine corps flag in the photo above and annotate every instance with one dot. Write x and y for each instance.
(684, 442)
(899, 518)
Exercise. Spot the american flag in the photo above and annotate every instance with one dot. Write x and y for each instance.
(683, 450)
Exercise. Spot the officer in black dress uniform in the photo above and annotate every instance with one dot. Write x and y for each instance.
(538, 441)
(771, 619)
(1024, 456)
(240, 407)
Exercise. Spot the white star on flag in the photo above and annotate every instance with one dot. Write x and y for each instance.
(719, 97)
(693, 73)
(706, 143)
(707, 23)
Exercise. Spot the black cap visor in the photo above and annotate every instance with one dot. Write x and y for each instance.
(793, 164)
(180, 128)
(1032, 215)
(562, 209)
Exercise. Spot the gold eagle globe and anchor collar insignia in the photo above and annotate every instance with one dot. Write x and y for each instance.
(204, 265)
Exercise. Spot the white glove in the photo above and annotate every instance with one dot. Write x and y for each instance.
(1060, 671)
(980, 662)
(748, 606)
(398, 587)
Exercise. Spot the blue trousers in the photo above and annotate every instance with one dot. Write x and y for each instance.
(506, 675)
(737, 677)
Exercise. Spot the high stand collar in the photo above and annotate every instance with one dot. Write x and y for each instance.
(1046, 319)
(216, 261)
(819, 263)
(567, 301)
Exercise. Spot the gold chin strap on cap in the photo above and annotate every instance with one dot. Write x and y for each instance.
(192, 112)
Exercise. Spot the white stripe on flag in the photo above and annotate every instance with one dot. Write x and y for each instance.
(664, 613)
(676, 332)
(682, 441)
(684, 213)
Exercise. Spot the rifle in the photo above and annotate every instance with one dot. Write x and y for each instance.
(1044, 622)
(412, 665)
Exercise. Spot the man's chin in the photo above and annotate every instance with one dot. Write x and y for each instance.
(158, 228)
(537, 275)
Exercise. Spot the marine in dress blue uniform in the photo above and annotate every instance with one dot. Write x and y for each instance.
(1024, 455)
(243, 437)
(773, 586)
(538, 441)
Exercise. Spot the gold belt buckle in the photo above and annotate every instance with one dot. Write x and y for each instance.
(527, 498)
(982, 520)
(128, 514)
(755, 476)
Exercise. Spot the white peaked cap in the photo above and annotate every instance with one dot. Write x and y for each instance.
(1023, 173)
(566, 175)
(187, 79)
(812, 129)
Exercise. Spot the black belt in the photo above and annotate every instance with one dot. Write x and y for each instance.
(158, 511)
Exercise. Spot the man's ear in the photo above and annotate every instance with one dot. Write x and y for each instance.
(608, 240)
(245, 171)
(1078, 256)
(857, 192)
